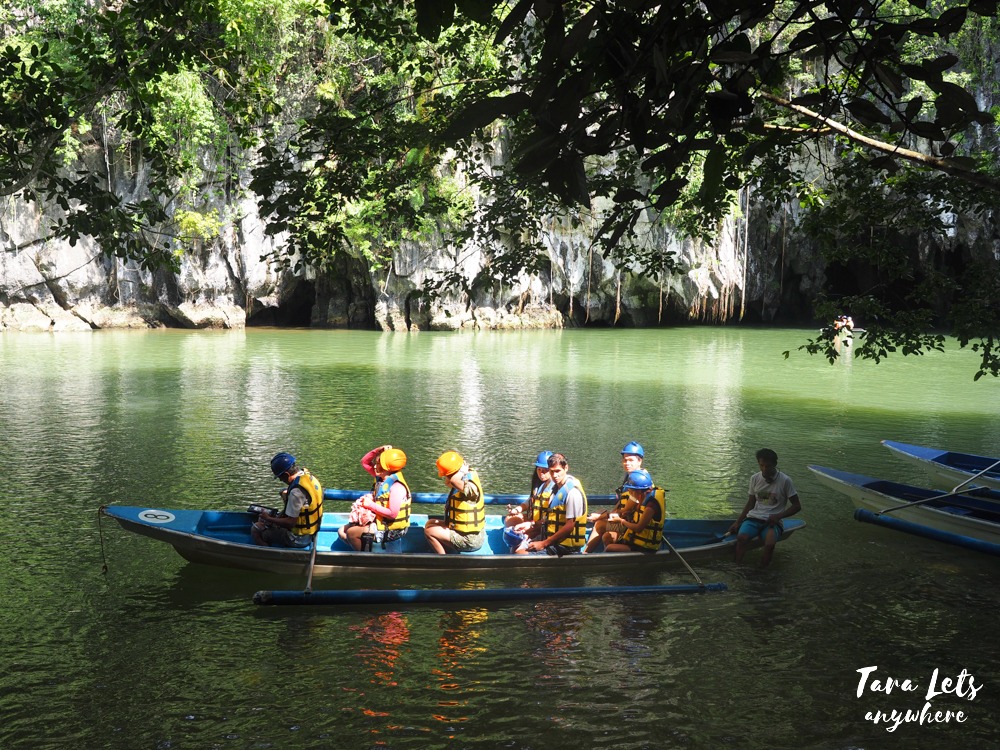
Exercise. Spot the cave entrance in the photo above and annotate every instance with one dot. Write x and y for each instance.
(295, 310)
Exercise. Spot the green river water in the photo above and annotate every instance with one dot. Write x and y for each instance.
(159, 653)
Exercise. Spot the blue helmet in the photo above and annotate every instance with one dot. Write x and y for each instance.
(633, 449)
(281, 463)
(638, 480)
(542, 462)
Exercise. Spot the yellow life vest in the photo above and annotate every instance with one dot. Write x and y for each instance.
(311, 514)
(462, 515)
(623, 501)
(538, 501)
(652, 535)
(381, 496)
(555, 515)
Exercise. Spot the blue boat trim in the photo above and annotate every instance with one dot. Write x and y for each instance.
(897, 524)
(438, 498)
(424, 596)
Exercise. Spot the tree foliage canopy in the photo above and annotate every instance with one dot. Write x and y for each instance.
(612, 110)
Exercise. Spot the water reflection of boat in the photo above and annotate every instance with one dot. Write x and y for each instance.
(223, 538)
(950, 466)
(382, 639)
(961, 519)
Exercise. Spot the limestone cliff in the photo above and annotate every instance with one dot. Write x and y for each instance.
(46, 284)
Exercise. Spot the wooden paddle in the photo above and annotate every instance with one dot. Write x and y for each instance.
(954, 491)
(690, 569)
(312, 563)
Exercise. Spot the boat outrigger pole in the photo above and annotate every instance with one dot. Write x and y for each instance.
(422, 596)
(908, 527)
(954, 491)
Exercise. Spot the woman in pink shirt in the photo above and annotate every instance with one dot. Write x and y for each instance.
(382, 515)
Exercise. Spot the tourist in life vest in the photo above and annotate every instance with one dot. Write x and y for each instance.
(564, 527)
(772, 498)
(299, 520)
(388, 503)
(632, 456)
(523, 521)
(643, 526)
(843, 322)
(463, 528)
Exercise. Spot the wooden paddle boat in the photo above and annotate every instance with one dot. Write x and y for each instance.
(223, 538)
(962, 519)
(949, 467)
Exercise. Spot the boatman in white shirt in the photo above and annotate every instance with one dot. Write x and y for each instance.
(772, 499)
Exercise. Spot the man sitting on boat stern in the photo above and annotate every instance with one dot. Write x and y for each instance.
(299, 520)
(564, 524)
(463, 528)
(772, 498)
(389, 500)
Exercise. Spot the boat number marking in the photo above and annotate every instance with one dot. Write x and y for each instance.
(156, 516)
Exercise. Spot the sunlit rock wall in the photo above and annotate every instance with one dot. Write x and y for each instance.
(46, 284)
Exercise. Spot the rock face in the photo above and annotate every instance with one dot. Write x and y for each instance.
(50, 285)
(47, 284)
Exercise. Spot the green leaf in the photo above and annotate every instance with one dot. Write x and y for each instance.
(929, 130)
(956, 96)
(481, 113)
(536, 153)
(811, 100)
(715, 163)
(578, 36)
(913, 107)
(919, 72)
(514, 19)
(951, 21)
(890, 79)
(433, 16)
(480, 11)
(940, 64)
(867, 112)
(963, 162)
(734, 50)
(983, 7)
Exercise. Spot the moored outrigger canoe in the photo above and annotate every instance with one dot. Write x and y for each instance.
(950, 466)
(223, 538)
(956, 514)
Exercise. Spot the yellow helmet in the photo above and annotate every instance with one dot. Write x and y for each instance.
(448, 463)
(392, 460)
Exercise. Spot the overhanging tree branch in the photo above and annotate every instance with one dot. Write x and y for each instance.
(948, 166)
